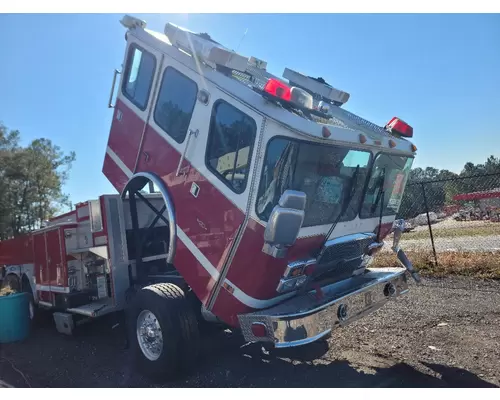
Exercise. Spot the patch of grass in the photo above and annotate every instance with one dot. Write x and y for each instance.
(486, 230)
(484, 265)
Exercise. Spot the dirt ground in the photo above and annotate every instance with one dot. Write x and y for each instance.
(443, 334)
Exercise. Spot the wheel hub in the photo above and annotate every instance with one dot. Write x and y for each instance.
(149, 335)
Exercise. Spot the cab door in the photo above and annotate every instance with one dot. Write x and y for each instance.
(131, 111)
(210, 189)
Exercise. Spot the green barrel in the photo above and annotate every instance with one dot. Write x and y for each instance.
(14, 317)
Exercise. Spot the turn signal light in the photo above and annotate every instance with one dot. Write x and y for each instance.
(326, 132)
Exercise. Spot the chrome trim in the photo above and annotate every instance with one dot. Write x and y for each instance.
(298, 264)
(45, 304)
(305, 318)
(274, 251)
(399, 226)
(284, 281)
(172, 225)
(375, 245)
(347, 238)
(404, 260)
(110, 102)
(302, 342)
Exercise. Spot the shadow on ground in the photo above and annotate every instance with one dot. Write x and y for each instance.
(95, 357)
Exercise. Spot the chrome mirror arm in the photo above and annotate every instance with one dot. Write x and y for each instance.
(399, 227)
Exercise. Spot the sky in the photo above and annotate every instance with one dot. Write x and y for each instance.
(439, 73)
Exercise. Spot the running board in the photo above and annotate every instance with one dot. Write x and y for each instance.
(94, 309)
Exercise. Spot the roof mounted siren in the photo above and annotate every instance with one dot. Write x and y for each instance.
(318, 88)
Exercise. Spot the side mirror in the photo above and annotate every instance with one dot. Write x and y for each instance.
(284, 223)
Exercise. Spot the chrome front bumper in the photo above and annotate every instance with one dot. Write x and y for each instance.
(309, 317)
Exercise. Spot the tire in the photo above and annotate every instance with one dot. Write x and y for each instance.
(162, 310)
(34, 315)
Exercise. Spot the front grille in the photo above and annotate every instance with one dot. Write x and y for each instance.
(341, 257)
(345, 249)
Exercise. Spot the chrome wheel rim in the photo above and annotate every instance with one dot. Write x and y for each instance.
(149, 335)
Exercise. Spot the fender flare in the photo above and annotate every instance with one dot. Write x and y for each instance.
(137, 182)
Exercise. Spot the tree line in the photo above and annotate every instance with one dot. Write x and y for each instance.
(31, 182)
(439, 187)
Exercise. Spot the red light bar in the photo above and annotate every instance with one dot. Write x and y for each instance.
(278, 89)
(399, 127)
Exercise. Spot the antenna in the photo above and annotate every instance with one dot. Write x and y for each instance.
(243, 37)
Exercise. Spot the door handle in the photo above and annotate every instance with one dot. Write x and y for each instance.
(191, 133)
(146, 156)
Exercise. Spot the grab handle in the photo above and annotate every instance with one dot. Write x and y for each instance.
(191, 133)
(110, 104)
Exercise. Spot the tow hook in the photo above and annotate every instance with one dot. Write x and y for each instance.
(399, 226)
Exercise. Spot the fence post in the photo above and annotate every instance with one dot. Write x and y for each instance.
(429, 223)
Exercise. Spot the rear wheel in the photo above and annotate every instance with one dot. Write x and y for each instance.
(32, 306)
(163, 331)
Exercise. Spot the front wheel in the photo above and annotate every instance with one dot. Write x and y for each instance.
(163, 331)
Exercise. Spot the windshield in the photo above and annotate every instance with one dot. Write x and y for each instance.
(394, 170)
(323, 173)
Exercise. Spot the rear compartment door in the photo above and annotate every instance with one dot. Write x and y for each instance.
(55, 260)
(40, 256)
(132, 111)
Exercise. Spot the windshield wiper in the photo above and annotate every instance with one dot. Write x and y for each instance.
(380, 186)
(345, 203)
(380, 196)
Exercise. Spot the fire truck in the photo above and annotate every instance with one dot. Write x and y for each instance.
(244, 199)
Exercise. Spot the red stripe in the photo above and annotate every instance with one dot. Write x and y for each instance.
(115, 175)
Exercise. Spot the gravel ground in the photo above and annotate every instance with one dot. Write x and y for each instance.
(442, 244)
(433, 337)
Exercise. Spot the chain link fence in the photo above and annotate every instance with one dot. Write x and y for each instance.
(453, 225)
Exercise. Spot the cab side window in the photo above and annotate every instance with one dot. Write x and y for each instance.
(175, 104)
(230, 143)
(138, 79)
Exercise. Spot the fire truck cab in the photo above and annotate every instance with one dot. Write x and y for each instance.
(245, 199)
